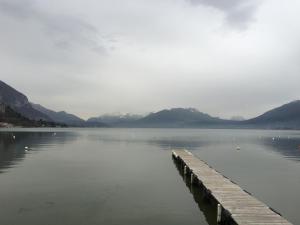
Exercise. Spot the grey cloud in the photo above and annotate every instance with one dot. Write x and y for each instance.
(64, 30)
(238, 12)
(17, 9)
(161, 54)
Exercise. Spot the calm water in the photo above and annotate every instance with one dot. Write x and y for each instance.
(127, 176)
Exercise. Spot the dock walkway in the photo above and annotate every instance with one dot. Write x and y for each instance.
(233, 202)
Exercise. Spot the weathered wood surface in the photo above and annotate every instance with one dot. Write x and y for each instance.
(241, 206)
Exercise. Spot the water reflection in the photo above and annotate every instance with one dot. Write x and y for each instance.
(288, 144)
(15, 145)
(207, 207)
(178, 144)
(288, 147)
(161, 138)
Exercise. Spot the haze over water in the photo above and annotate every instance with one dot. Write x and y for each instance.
(127, 176)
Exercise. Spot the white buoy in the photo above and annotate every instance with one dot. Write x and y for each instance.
(238, 148)
(273, 139)
(14, 137)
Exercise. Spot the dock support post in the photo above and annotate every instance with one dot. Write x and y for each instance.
(192, 178)
(219, 214)
(185, 170)
(205, 193)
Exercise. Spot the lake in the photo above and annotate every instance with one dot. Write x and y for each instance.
(127, 176)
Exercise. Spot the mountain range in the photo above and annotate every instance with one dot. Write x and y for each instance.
(19, 103)
(116, 120)
(9, 118)
(21, 109)
(283, 117)
(60, 117)
(179, 117)
(286, 116)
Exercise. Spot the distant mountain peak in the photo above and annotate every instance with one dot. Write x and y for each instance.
(190, 109)
(178, 117)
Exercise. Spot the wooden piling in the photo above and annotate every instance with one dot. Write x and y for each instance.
(219, 213)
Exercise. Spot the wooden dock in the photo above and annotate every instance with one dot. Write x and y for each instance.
(235, 205)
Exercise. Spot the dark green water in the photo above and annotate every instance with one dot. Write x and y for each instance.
(127, 176)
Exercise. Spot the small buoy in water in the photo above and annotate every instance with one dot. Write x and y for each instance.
(238, 148)
(14, 137)
(26, 148)
(273, 139)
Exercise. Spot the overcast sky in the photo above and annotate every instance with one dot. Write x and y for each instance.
(89, 57)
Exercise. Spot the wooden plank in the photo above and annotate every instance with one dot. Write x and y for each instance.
(242, 207)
